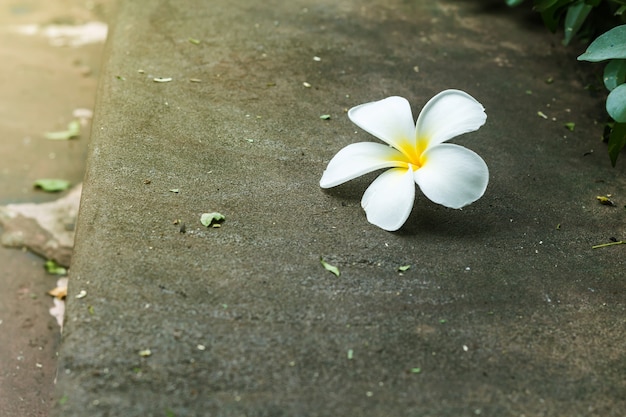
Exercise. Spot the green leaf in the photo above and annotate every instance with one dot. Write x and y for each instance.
(416, 370)
(52, 185)
(617, 140)
(574, 19)
(513, 3)
(404, 268)
(73, 130)
(325, 117)
(329, 267)
(54, 268)
(551, 11)
(543, 5)
(614, 73)
(609, 45)
(570, 126)
(616, 103)
(212, 219)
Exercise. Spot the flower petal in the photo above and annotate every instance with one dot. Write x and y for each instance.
(358, 159)
(452, 175)
(449, 114)
(389, 199)
(390, 120)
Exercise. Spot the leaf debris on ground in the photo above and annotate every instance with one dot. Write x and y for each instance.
(145, 353)
(73, 130)
(54, 268)
(52, 185)
(60, 291)
(604, 245)
(605, 200)
(329, 267)
(213, 219)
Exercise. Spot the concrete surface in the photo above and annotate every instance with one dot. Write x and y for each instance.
(41, 86)
(506, 309)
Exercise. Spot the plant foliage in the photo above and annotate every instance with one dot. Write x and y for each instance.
(610, 46)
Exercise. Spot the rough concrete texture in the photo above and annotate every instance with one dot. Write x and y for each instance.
(506, 309)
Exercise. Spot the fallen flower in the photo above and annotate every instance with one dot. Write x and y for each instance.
(447, 174)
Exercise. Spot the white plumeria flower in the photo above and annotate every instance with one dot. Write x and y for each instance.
(448, 174)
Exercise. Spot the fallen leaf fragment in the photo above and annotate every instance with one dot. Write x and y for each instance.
(570, 126)
(54, 268)
(212, 219)
(73, 130)
(605, 201)
(52, 185)
(81, 294)
(604, 245)
(404, 268)
(145, 353)
(60, 291)
(329, 267)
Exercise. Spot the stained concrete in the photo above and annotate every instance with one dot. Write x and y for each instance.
(506, 309)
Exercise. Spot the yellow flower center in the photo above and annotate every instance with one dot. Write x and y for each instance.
(414, 151)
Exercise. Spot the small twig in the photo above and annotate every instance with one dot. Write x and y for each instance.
(604, 245)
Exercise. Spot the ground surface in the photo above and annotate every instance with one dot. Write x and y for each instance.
(40, 88)
(506, 309)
